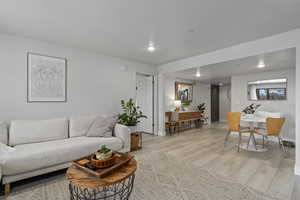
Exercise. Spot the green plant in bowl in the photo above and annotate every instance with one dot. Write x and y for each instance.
(103, 153)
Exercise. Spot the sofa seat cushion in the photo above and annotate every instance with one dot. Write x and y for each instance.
(28, 157)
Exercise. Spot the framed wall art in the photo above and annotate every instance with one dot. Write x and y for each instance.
(46, 78)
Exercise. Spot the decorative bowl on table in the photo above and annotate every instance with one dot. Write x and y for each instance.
(103, 158)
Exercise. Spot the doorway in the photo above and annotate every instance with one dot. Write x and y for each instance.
(145, 100)
(215, 103)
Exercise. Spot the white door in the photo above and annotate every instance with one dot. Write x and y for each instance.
(144, 99)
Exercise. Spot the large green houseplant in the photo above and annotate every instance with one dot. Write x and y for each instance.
(131, 114)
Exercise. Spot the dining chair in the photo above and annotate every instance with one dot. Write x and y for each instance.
(266, 114)
(273, 128)
(234, 125)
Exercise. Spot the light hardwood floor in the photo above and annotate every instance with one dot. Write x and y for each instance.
(190, 166)
(269, 172)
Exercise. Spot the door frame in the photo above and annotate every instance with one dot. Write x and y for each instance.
(153, 99)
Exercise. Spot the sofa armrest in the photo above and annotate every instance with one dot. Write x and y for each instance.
(123, 132)
(4, 152)
(3, 133)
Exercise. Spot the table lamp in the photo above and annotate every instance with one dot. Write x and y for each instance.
(177, 104)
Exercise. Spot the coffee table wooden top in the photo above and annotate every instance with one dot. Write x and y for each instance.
(82, 179)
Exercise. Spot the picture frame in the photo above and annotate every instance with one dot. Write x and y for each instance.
(46, 78)
(184, 92)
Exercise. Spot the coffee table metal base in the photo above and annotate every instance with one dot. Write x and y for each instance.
(117, 191)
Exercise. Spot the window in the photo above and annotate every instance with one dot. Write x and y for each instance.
(270, 90)
(277, 94)
(262, 94)
(271, 93)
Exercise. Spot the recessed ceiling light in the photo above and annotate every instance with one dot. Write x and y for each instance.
(151, 47)
(192, 30)
(124, 68)
(221, 84)
(261, 65)
(198, 74)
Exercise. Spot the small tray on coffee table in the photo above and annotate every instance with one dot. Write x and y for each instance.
(85, 164)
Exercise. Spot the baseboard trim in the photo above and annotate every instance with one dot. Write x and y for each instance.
(161, 133)
(297, 170)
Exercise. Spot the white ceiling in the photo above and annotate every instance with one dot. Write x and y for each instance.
(123, 28)
(221, 72)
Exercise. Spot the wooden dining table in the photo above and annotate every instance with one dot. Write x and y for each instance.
(252, 121)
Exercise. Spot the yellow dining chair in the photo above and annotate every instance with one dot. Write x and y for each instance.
(273, 128)
(234, 120)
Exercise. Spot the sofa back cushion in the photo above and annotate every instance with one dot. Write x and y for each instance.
(80, 125)
(33, 131)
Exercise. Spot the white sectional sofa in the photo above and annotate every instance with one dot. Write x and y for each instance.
(33, 147)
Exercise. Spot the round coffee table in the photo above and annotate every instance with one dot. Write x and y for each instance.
(117, 186)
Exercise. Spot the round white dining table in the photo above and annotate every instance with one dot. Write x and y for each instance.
(253, 120)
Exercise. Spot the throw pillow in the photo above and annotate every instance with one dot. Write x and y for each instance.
(111, 120)
(101, 127)
(80, 125)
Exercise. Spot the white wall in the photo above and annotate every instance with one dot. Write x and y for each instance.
(201, 94)
(225, 101)
(95, 82)
(297, 109)
(239, 98)
(161, 108)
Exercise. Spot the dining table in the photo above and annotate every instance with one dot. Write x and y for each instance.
(253, 121)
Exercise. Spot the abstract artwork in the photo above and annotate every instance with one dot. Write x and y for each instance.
(46, 78)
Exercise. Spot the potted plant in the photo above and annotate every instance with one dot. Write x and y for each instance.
(103, 158)
(185, 105)
(250, 110)
(131, 114)
(201, 108)
(103, 153)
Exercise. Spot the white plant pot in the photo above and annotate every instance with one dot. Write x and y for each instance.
(103, 156)
(248, 115)
(132, 128)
